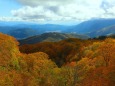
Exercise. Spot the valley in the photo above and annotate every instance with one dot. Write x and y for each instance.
(57, 42)
(70, 62)
(34, 55)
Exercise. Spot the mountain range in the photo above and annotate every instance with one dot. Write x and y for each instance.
(92, 28)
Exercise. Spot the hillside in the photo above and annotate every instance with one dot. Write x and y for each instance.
(103, 32)
(60, 52)
(22, 33)
(17, 69)
(50, 37)
(92, 26)
(111, 35)
(85, 60)
(82, 63)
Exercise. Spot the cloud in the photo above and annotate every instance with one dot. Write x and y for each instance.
(44, 2)
(64, 10)
(36, 13)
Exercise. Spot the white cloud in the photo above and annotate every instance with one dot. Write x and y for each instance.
(64, 10)
(36, 13)
(45, 2)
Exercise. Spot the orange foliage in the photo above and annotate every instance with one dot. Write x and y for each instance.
(81, 62)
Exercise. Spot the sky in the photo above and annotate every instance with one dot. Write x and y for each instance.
(56, 11)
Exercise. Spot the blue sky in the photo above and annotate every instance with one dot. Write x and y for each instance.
(6, 6)
(55, 11)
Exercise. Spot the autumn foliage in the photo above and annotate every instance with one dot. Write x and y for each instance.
(70, 62)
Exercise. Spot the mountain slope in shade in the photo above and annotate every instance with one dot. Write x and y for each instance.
(22, 33)
(50, 37)
(111, 35)
(103, 32)
(92, 25)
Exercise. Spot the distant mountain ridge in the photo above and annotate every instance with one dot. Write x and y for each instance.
(92, 25)
(51, 37)
(92, 28)
(103, 32)
(22, 33)
(17, 30)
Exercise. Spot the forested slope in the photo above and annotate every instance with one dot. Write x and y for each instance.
(87, 63)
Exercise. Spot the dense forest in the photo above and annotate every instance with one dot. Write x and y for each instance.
(70, 62)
